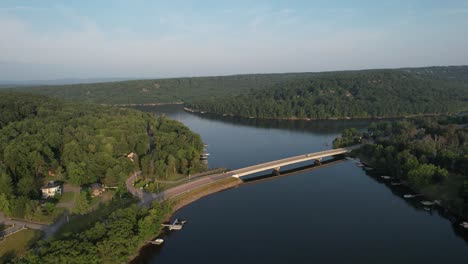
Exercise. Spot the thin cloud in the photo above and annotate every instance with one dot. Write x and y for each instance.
(23, 8)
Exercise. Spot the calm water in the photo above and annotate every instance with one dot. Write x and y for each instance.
(336, 214)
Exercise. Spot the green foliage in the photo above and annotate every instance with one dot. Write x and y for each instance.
(84, 144)
(4, 204)
(430, 154)
(163, 90)
(350, 136)
(202, 88)
(111, 241)
(426, 174)
(360, 94)
(82, 204)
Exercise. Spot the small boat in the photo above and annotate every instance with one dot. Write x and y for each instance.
(464, 224)
(385, 177)
(395, 183)
(427, 208)
(411, 195)
(438, 202)
(360, 164)
(157, 241)
(427, 203)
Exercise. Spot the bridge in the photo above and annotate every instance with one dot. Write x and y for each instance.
(277, 164)
(196, 183)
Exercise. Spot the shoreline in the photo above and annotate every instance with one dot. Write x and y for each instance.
(459, 218)
(185, 199)
(202, 112)
(147, 104)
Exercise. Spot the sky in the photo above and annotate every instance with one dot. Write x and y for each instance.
(45, 39)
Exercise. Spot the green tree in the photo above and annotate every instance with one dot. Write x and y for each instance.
(4, 204)
(82, 204)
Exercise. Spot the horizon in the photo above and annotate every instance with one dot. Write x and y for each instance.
(104, 79)
(67, 81)
(51, 40)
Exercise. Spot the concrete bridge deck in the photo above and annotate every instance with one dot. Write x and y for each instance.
(147, 198)
(275, 165)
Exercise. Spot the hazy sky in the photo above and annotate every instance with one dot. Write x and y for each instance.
(46, 39)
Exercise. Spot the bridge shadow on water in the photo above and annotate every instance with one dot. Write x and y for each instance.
(397, 190)
(292, 172)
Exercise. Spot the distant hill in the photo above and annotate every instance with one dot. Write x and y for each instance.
(7, 83)
(196, 89)
(450, 73)
(353, 94)
(163, 90)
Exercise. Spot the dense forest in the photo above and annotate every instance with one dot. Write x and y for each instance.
(162, 90)
(111, 240)
(45, 139)
(429, 154)
(210, 88)
(360, 94)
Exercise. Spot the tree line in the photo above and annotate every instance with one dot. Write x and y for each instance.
(361, 94)
(195, 89)
(429, 154)
(112, 240)
(47, 139)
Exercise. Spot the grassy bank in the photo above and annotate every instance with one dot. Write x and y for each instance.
(190, 197)
(17, 244)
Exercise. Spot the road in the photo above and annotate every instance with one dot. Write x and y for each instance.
(48, 230)
(146, 198)
(292, 160)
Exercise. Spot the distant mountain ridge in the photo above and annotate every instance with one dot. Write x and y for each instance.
(196, 89)
(65, 81)
(352, 94)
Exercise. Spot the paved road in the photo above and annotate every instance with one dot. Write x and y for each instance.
(146, 198)
(11, 230)
(48, 230)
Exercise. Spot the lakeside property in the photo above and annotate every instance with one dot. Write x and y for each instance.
(427, 155)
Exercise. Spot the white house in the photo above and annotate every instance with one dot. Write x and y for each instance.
(51, 189)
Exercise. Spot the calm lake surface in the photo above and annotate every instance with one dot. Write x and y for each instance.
(335, 214)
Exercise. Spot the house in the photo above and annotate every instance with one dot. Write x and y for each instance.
(51, 189)
(132, 156)
(96, 189)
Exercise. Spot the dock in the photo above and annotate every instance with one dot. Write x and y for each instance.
(176, 225)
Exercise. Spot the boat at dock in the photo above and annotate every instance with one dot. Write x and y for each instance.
(176, 225)
(385, 177)
(464, 224)
(157, 241)
(427, 203)
(411, 195)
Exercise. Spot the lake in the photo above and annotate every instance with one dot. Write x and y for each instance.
(334, 214)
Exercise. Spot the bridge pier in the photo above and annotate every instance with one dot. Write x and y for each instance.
(318, 161)
(276, 170)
